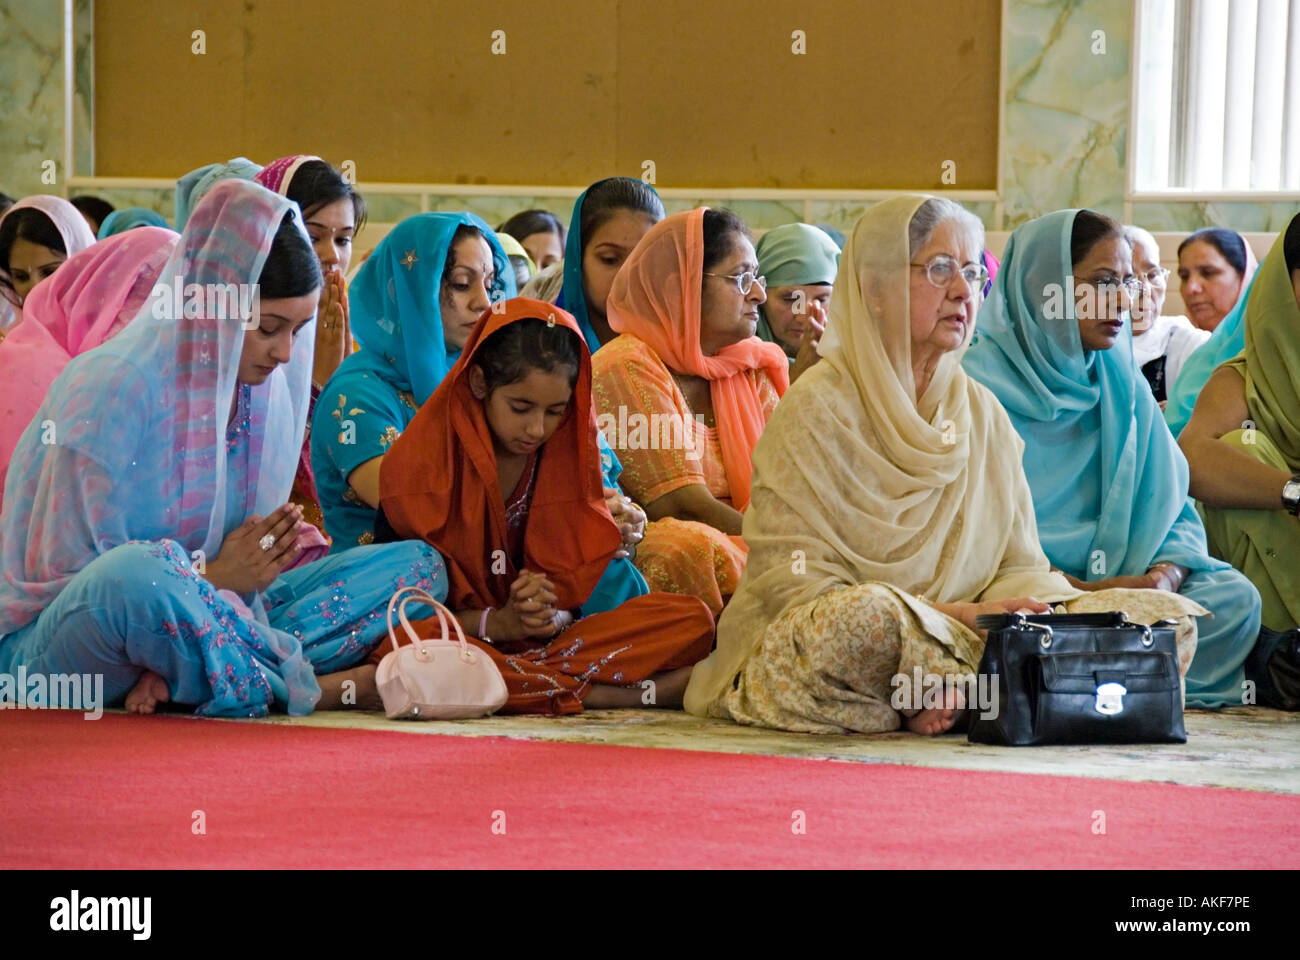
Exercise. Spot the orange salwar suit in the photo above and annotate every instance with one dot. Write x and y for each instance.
(439, 483)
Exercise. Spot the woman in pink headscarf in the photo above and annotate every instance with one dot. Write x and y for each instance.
(332, 212)
(37, 234)
(91, 297)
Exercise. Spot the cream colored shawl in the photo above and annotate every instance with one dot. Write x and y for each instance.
(856, 481)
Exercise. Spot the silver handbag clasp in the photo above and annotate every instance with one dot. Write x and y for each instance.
(1110, 698)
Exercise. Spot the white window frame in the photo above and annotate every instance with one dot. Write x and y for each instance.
(1212, 14)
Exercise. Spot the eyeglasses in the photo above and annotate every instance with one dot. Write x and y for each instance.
(744, 281)
(1109, 286)
(1155, 276)
(941, 270)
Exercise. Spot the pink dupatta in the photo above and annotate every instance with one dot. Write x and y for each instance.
(656, 297)
(84, 303)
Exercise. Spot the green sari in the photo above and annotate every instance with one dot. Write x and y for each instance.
(1265, 544)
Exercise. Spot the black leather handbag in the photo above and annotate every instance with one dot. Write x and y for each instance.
(1079, 678)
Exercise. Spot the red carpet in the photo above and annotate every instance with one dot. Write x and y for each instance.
(121, 792)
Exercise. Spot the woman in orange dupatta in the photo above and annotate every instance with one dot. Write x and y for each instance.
(684, 393)
(500, 470)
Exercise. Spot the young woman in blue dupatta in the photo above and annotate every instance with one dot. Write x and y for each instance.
(412, 305)
(1108, 480)
(146, 535)
(609, 219)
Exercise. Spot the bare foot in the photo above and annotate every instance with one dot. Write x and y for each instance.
(350, 690)
(149, 691)
(662, 690)
(933, 721)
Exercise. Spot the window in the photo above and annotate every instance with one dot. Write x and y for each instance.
(1217, 95)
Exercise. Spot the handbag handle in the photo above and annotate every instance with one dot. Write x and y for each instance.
(404, 596)
(1018, 621)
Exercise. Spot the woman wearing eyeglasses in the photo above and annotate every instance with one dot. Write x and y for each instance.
(685, 390)
(1108, 481)
(1160, 344)
(889, 507)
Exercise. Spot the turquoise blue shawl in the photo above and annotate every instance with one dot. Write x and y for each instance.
(1109, 482)
(395, 304)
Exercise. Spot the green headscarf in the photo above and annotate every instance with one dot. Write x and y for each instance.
(792, 255)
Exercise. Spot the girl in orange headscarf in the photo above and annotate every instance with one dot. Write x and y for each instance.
(500, 470)
(684, 393)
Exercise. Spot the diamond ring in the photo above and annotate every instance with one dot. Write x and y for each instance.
(267, 542)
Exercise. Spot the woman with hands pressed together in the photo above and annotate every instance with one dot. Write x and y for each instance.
(500, 471)
(150, 542)
(332, 212)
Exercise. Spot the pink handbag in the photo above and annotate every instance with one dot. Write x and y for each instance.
(436, 679)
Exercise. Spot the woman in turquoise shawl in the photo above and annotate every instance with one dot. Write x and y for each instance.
(412, 304)
(1227, 341)
(1109, 482)
(800, 263)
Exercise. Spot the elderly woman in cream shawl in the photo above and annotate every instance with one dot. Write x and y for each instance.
(889, 506)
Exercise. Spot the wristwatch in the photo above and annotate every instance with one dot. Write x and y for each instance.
(1291, 495)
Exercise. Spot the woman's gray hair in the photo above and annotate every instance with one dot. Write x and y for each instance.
(935, 211)
(1139, 236)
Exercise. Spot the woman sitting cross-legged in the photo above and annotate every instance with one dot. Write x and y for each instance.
(890, 507)
(1109, 482)
(146, 535)
(500, 471)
